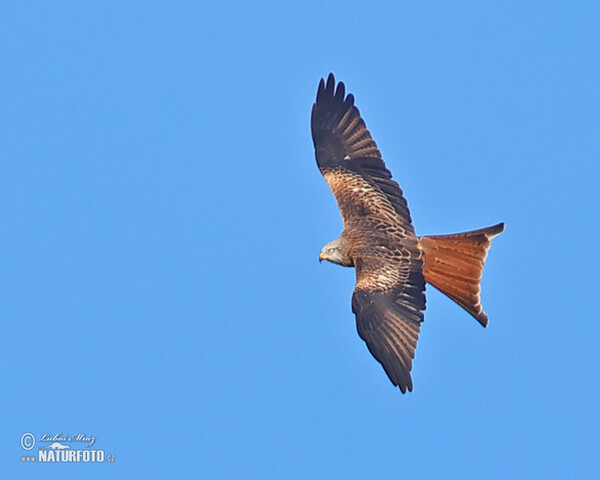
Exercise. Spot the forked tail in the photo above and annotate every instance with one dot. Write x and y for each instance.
(453, 264)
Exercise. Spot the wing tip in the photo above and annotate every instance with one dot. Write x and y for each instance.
(406, 387)
(330, 81)
(326, 88)
(330, 91)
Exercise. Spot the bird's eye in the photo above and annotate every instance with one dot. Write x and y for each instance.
(331, 250)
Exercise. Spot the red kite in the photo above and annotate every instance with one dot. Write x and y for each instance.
(392, 264)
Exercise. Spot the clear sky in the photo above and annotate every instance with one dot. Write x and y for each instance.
(162, 215)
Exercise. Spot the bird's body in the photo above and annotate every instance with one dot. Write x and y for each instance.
(392, 264)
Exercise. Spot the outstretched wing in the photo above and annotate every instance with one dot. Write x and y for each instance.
(389, 321)
(344, 147)
(388, 299)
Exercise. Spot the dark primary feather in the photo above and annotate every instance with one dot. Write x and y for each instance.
(339, 132)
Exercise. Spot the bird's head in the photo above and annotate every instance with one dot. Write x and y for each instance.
(335, 253)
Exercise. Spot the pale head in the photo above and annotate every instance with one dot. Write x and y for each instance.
(336, 252)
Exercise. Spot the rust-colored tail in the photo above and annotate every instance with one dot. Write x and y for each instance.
(453, 264)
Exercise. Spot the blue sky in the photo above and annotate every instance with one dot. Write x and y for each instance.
(162, 215)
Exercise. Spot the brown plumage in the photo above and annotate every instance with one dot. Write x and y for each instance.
(392, 264)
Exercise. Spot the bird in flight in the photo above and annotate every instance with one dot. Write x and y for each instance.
(392, 263)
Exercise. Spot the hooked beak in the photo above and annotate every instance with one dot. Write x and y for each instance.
(322, 257)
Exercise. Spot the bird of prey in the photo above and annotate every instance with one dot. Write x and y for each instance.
(378, 239)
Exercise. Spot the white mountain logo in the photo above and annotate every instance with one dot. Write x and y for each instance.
(57, 446)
